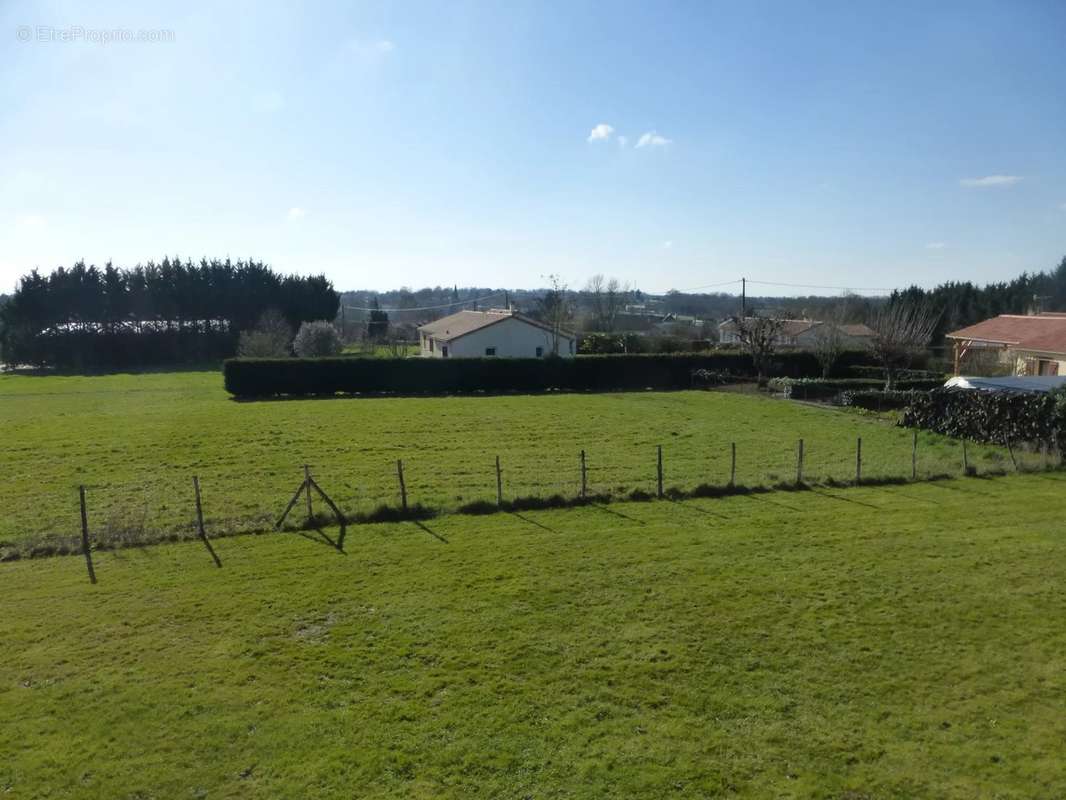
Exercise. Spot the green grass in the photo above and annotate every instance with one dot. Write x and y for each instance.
(897, 641)
(136, 441)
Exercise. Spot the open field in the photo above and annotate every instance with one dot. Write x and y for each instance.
(894, 641)
(136, 441)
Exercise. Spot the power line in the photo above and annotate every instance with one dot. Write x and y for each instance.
(815, 286)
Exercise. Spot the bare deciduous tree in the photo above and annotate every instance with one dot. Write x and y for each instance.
(829, 338)
(608, 298)
(902, 330)
(555, 310)
(759, 336)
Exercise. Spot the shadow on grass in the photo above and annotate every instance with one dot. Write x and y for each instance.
(824, 493)
(322, 537)
(532, 522)
(689, 507)
(430, 531)
(614, 513)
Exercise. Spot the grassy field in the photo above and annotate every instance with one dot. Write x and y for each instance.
(136, 441)
(894, 641)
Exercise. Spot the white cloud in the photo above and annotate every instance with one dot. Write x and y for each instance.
(990, 180)
(653, 139)
(296, 213)
(668, 244)
(936, 246)
(601, 133)
(31, 221)
(268, 102)
(372, 50)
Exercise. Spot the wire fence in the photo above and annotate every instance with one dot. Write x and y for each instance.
(223, 501)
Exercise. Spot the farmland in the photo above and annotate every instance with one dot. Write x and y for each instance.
(893, 641)
(136, 440)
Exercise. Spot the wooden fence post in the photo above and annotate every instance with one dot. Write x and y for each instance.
(799, 464)
(200, 522)
(307, 488)
(499, 483)
(659, 470)
(914, 457)
(1010, 452)
(858, 460)
(733, 466)
(584, 477)
(965, 459)
(85, 535)
(403, 486)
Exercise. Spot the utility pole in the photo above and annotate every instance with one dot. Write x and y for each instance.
(743, 298)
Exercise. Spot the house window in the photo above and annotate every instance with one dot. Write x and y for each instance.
(540, 352)
(490, 351)
(1049, 368)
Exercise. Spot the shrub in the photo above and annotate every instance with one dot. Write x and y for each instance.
(994, 417)
(270, 338)
(827, 389)
(879, 399)
(317, 339)
(272, 377)
(878, 372)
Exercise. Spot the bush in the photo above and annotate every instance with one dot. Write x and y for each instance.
(879, 399)
(611, 343)
(993, 417)
(878, 372)
(317, 339)
(271, 377)
(270, 338)
(829, 388)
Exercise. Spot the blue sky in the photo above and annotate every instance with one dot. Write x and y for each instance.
(854, 144)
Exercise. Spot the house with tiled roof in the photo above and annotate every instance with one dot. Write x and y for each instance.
(803, 333)
(499, 333)
(1028, 344)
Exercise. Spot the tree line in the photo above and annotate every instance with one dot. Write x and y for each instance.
(172, 311)
(962, 303)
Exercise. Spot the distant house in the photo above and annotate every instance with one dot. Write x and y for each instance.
(497, 332)
(803, 333)
(1033, 344)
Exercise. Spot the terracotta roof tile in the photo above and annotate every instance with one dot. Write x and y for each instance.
(1044, 332)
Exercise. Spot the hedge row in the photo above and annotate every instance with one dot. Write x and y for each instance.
(879, 399)
(326, 376)
(827, 389)
(994, 417)
(876, 371)
(101, 349)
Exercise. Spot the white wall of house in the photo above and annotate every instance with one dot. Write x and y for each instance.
(509, 338)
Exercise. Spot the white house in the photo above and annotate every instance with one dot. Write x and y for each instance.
(497, 332)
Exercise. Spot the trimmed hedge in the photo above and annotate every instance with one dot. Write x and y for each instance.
(819, 389)
(993, 417)
(879, 399)
(877, 371)
(271, 377)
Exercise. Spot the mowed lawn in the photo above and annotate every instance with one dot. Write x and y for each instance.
(895, 641)
(137, 440)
